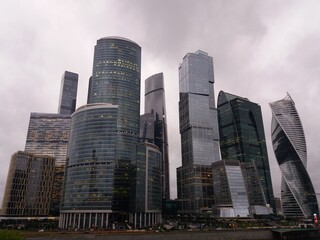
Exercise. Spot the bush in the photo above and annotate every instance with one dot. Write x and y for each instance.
(10, 235)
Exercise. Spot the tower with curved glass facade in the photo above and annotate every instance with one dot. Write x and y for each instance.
(89, 188)
(242, 138)
(297, 193)
(155, 104)
(103, 138)
(115, 79)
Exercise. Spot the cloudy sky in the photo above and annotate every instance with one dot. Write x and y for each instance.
(261, 50)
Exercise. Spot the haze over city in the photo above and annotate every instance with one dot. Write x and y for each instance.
(261, 50)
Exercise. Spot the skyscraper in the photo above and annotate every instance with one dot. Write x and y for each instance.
(242, 138)
(48, 134)
(297, 193)
(115, 81)
(29, 183)
(147, 128)
(68, 93)
(230, 194)
(145, 186)
(90, 186)
(199, 132)
(116, 77)
(155, 104)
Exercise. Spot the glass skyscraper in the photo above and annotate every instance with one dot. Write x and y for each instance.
(115, 81)
(146, 187)
(147, 128)
(68, 93)
(242, 138)
(116, 77)
(48, 134)
(89, 186)
(155, 104)
(297, 193)
(199, 132)
(230, 194)
(28, 187)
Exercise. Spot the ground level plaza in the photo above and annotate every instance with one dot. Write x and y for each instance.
(106, 220)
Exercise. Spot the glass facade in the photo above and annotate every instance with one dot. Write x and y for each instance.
(145, 188)
(155, 104)
(68, 93)
(115, 81)
(147, 128)
(29, 183)
(252, 180)
(297, 193)
(48, 134)
(238, 190)
(90, 187)
(195, 189)
(242, 138)
(229, 189)
(198, 129)
(197, 111)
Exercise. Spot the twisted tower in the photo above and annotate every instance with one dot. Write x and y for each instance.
(289, 145)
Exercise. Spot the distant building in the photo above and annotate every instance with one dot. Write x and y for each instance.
(48, 134)
(242, 138)
(230, 194)
(147, 128)
(155, 104)
(68, 93)
(29, 183)
(145, 188)
(297, 193)
(199, 133)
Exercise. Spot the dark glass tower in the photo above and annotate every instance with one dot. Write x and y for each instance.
(68, 94)
(199, 133)
(145, 187)
(115, 81)
(89, 186)
(48, 134)
(29, 183)
(242, 138)
(297, 193)
(147, 128)
(155, 104)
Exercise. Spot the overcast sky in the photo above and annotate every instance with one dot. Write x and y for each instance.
(261, 50)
